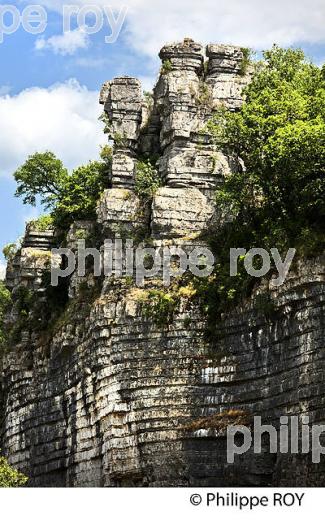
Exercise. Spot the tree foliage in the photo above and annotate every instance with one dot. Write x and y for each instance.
(68, 196)
(42, 175)
(9, 477)
(42, 223)
(10, 250)
(278, 197)
(80, 193)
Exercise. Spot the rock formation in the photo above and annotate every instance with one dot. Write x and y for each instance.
(108, 397)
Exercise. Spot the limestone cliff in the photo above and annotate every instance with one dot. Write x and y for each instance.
(108, 396)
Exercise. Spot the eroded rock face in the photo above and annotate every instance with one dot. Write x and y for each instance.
(226, 75)
(33, 258)
(180, 212)
(114, 400)
(108, 396)
(172, 124)
(123, 103)
(121, 212)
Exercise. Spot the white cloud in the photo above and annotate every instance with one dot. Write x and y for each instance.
(65, 44)
(2, 270)
(148, 82)
(62, 118)
(256, 23)
(4, 90)
(91, 63)
(248, 23)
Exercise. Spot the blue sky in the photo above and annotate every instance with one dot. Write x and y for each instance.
(49, 82)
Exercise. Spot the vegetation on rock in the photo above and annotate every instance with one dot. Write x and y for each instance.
(42, 223)
(160, 305)
(246, 61)
(166, 67)
(147, 180)
(68, 196)
(9, 251)
(277, 199)
(9, 477)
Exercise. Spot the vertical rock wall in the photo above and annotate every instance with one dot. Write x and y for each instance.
(108, 397)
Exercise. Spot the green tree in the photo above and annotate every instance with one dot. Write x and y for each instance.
(9, 477)
(42, 175)
(80, 193)
(68, 196)
(278, 198)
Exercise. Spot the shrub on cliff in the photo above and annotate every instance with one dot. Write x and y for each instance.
(10, 250)
(147, 180)
(9, 477)
(68, 196)
(42, 223)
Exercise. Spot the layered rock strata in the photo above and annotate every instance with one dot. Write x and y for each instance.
(107, 396)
